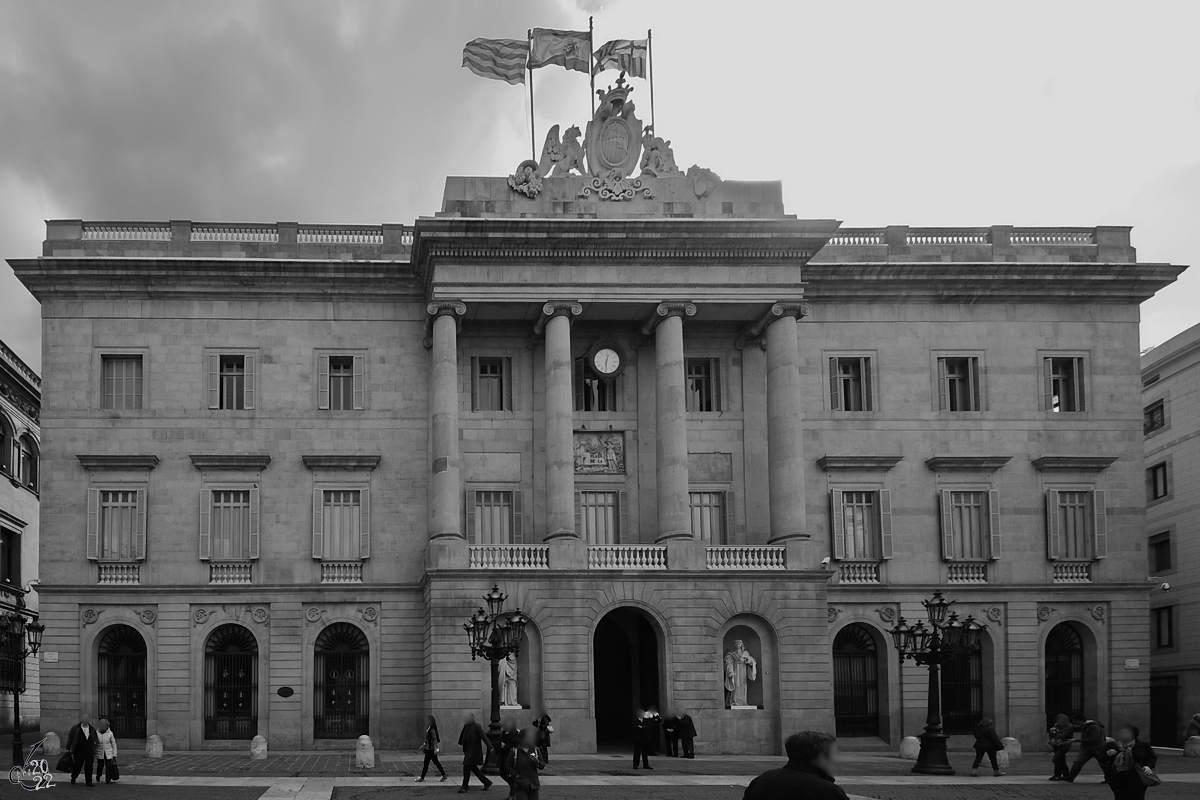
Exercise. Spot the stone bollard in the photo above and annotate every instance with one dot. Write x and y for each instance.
(153, 747)
(1191, 748)
(364, 756)
(258, 748)
(910, 748)
(1012, 746)
(51, 745)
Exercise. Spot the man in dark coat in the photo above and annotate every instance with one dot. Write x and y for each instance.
(82, 742)
(475, 747)
(808, 774)
(687, 732)
(670, 728)
(642, 729)
(1091, 744)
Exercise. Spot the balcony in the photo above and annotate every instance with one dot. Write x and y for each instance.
(510, 556)
(858, 573)
(746, 557)
(967, 572)
(341, 572)
(1072, 572)
(112, 574)
(230, 574)
(627, 556)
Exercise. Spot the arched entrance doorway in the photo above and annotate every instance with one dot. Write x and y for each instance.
(341, 683)
(230, 684)
(121, 681)
(627, 673)
(855, 682)
(962, 692)
(1064, 671)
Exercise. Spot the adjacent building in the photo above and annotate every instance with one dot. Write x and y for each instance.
(1171, 398)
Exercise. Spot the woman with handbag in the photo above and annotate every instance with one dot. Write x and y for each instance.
(431, 747)
(106, 753)
(1129, 765)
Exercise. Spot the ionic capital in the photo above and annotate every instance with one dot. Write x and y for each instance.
(667, 310)
(752, 333)
(789, 308)
(556, 308)
(442, 308)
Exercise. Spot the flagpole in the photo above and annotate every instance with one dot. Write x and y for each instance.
(532, 118)
(650, 58)
(592, 65)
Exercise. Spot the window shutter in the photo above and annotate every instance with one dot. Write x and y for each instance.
(1080, 404)
(994, 523)
(140, 534)
(947, 526)
(214, 380)
(1099, 525)
(323, 382)
(838, 523)
(835, 396)
(254, 523)
(623, 512)
(579, 516)
(474, 383)
(865, 371)
(1053, 546)
(506, 367)
(518, 532)
(714, 370)
(364, 523)
(360, 364)
(885, 523)
(205, 524)
(730, 518)
(1047, 384)
(973, 381)
(580, 383)
(943, 389)
(318, 538)
(93, 524)
(248, 393)
(472, 536)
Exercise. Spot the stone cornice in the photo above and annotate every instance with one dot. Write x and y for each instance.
(117, 462)
(860, 463)
(966, 463)
(1073, 463)
(240, 462)
(353, 462)
(666, 310)
(12, 521)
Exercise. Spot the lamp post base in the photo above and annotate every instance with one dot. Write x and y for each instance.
(933, 760)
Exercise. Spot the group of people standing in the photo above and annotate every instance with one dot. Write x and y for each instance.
(650, 727)
(520, 755)
(1126, 761)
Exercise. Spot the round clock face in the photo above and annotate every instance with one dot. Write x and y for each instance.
(606, 361)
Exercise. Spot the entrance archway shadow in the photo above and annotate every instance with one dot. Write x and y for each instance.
(627, 673)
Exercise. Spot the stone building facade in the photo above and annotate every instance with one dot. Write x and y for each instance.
(298, 455)
(20, 455)
(1171, 398)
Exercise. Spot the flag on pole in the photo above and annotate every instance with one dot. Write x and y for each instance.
(628, 55)
(498, 59)
(568, 49)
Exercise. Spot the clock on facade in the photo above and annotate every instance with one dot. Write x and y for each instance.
(607, 359)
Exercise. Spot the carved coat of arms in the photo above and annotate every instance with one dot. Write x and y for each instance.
(599, 453)
(614, 135)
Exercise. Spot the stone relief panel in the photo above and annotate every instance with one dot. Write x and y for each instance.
(90, 615)
(254, 615)
(600, 453)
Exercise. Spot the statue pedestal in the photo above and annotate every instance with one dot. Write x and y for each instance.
(743, 708)
(512, 708)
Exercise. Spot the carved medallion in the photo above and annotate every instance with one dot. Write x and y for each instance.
(148, 615)
(91, 616)
(260, 614)
(886, 614)
(370, 614)
(832, 614)
(312, 614)
(995, 614)
(1099, 613)
(599, 453)
(1044, 612)
(200, 616)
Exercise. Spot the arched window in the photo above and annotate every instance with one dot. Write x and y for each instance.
(341, 683)
(855, 682)
(230, 684)
(27, 457)
(962, 692)
(121, 683)
(1064, 671)
(7, 446)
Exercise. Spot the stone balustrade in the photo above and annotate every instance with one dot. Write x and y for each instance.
(858, 572)
(227, 573)
(966, 572)
(203, 232)
(746, 557)
(1072, 572)
(996, 243)
(510, 556)
(627, 556)
(120, 574)
(126, 232)
(341, 572)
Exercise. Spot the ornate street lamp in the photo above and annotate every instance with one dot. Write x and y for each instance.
(20, 637)
(494, 635)
(946, 637)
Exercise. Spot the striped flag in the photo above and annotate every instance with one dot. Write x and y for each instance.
(628, 55)
(568, 49)
(498, 59)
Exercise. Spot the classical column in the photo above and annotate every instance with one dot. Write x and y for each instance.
(444, 486)
(674, 521)
(785, 446)
(560, 416)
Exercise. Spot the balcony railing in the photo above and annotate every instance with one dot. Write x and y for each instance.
(627, 556)
(1072, 572)
(746, 557)
(858, 572)
(510, 556)
(120, 574)
(204, 232)
(126, 232)
(229, 573)
(341, 572)
(966, 572)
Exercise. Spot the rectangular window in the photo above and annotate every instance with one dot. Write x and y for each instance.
(958, 383)
(1157, 486)
(600, 517)
(122, 382)
(230, 525)
(493, 517)
(1063, 378)
(118, 525)
(342, 525)
(341, 382)
(593, 393)
(965, 522)
(491, 384)
(1076, 525)
(1164, 626)
(703, 384)
(709, 520)
(850, 383)
(1160, 553)
(10, 557)
(860, 521)
(233, 382)
(1154, 416)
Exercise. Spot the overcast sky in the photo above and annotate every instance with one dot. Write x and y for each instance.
(918, 113)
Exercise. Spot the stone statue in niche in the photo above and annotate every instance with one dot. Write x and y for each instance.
(740, 669)
(508, 682)
(599, 453)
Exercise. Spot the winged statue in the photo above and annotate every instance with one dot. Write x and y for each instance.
(560, 156)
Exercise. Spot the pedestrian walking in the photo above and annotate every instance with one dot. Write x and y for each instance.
(106, 753)
(544, 730)
(524, 764)
(987, 741)
(82, 743)
(430, 748)
(1091, 743)
(475, 747)
(670, 728)
(1059, 739)
(1129, 764)
(1192, 729)
(687, 735)
(510, 739)
(808, 774)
